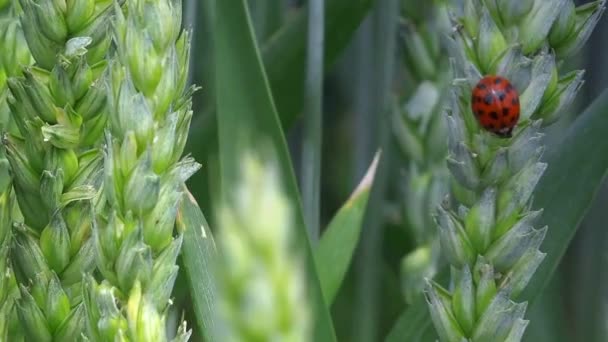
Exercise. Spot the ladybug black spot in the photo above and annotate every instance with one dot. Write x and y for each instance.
(494, 115)
(505, 112)
(509, 88)
(497, 80)
(480, 113)
(515, 101)
(477, 98)
(488, 99)
(482, 86)
(501, 96)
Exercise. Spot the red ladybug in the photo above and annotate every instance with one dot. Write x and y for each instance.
(495, 104)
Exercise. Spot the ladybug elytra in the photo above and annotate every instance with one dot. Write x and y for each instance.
(495, 104)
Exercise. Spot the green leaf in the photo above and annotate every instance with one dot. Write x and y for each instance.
(548, 315)
(414, 322)
(588, 286)
(247, 118)
(198, 252)
(577, 167)
(285, 54)
(410, 326)
(284, 58)
(267, 16)
(335, 250)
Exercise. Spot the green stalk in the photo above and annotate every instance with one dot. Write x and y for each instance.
(365, 123)
(136, 243)
(368, 287)
(313, 119)
(487, 231)
(58, 112)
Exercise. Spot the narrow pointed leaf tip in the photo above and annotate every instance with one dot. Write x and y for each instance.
(334, 253)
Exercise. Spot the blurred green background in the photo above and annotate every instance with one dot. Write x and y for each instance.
(575, 306)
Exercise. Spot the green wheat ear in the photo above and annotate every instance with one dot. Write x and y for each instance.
(8, 288)
(487, 233)
(149, 113)
(420, 130)
(57, 115)
(260, 282)
(14, 54)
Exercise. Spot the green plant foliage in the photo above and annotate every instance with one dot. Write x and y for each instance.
(454, 234)
(198, 254)
(284, 55)
(284, 59)
(420, 130)
(564, 179)
(337, 245)
(571, 174)
(58, 114)
(412, 324)
(136, 246)
(246, 116)
(488, 235)
(259, 276)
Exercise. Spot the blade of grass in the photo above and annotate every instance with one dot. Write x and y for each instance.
(547, 316)
(284, 59)
(202, 67)
(411, 324)
(198, 252)
(570, 185)
(284, 54)
(266, 16)
(585, 277)
(335, 250)
(246, 117)
(565, 191)
(313, 119)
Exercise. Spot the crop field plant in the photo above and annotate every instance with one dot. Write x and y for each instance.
(289, 170)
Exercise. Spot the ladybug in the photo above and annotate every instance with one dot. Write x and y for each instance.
(495, 104)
